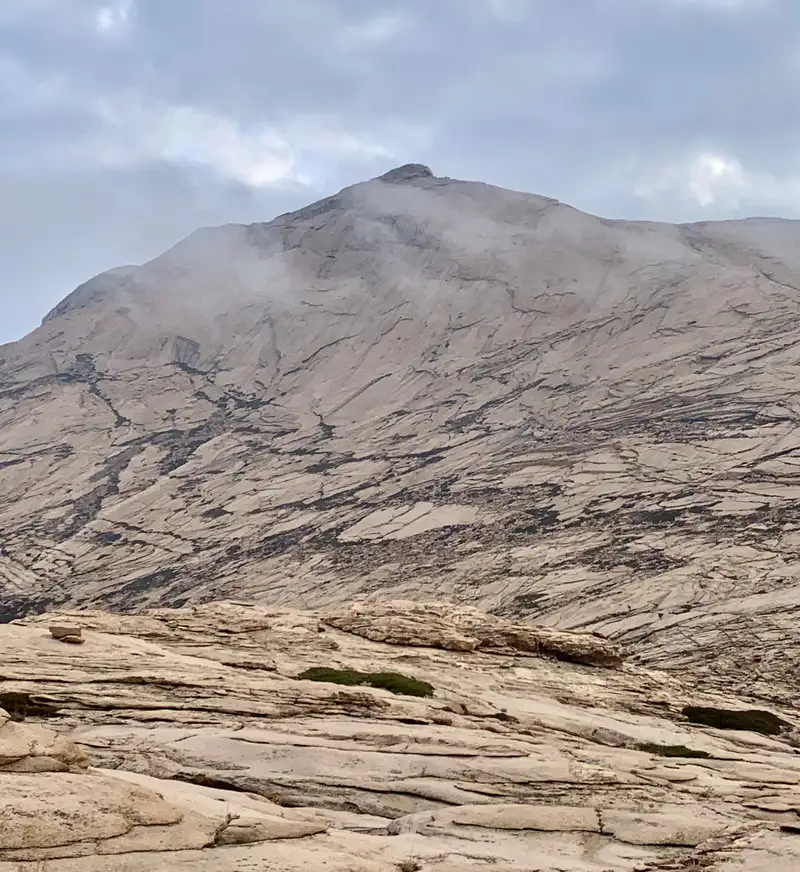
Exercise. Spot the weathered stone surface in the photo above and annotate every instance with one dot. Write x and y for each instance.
(32, 748)
(424, 388)
(465, 628)
(544, 818)
(70, 634)
(207, 752)
(64, 815)
(238, 818)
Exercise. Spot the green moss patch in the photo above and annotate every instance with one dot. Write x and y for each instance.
(755, 720)
(391, 681)
(672, 750)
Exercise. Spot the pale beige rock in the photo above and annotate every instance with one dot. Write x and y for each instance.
(462, 628)
(413, 391)
(32, 748)
(65, 815)
(543, 818)
(239, 818)
(66, 633)
(518, 761)
(668, 826)
(547, 818)
(57, 815)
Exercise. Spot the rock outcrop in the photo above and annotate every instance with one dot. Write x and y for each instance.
(32, 749)
(184, 739)
(72, 811)
(464, 628)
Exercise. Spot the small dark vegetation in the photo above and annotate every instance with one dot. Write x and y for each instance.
(392, 681)
(727, 719)
(672, 750)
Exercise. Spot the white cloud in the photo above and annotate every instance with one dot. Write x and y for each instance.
(70, 17)
(135, 130)
(334, 142)
(125, 129)
(326, 135)
(22, 86)
(114, 18)
(705, 179)
(712, 180)
(258, 156)
(129, 129)
(16, 11)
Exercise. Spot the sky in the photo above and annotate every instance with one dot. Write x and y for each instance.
(126, 124)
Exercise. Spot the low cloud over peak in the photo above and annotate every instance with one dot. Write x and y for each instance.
(128, 123)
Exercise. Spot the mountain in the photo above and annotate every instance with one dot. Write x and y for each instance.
(433, 389)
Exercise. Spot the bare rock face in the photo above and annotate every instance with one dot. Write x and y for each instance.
(32, 749)
(75, 813)
(189, 740)
(422, 388)
(463, 628)
(69, 634)
(407, 173)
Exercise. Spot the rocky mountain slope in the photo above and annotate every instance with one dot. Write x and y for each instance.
(191, 740)
(428, 388)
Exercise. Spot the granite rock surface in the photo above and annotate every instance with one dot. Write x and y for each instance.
(186, 740)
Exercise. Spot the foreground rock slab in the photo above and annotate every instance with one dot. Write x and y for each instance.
(184, 740)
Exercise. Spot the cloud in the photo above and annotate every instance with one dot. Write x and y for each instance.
(122, 129)
(717, 181)
(114, 18)
(71, 17)
(510, 10)
(259, 155)
(372, 31)
(168, 115)
(705, 178)
(134, 131)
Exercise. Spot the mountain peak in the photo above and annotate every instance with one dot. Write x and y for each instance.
(407, 173)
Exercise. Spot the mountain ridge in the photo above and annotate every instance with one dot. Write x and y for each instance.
(434, 388)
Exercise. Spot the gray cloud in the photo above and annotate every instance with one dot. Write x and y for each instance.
(127, 123)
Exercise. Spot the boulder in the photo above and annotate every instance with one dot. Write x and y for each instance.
(464, 628)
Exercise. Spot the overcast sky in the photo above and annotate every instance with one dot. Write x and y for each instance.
(126, 124)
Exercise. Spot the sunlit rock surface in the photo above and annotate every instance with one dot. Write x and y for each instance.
(184, 740)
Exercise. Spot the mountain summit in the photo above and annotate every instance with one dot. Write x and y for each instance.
(407, 173)
(428, 388)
